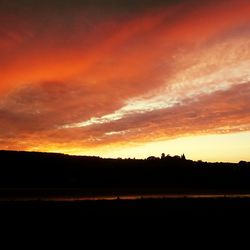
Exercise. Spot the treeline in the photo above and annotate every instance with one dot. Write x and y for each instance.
(163, 174)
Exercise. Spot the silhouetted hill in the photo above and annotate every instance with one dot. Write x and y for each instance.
(96, 175)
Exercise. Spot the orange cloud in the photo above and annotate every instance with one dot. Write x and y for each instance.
(81, 77)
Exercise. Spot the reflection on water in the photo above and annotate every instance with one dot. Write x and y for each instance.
(128, 197)
(168, 196)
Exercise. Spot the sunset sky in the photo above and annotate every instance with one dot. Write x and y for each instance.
(126, 78)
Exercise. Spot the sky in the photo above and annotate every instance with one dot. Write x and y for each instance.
(126, 78)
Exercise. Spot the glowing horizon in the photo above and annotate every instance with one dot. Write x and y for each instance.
(211, 148)
(126, 79)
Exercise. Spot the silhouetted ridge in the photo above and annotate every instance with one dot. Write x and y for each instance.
(94, 174)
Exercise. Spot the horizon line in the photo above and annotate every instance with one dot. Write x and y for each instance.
(113, 158)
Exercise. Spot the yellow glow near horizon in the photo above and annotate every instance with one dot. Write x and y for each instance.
(223, 147)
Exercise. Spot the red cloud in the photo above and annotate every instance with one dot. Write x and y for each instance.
(66, 67)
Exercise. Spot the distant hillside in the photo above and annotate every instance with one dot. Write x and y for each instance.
(94, 174)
